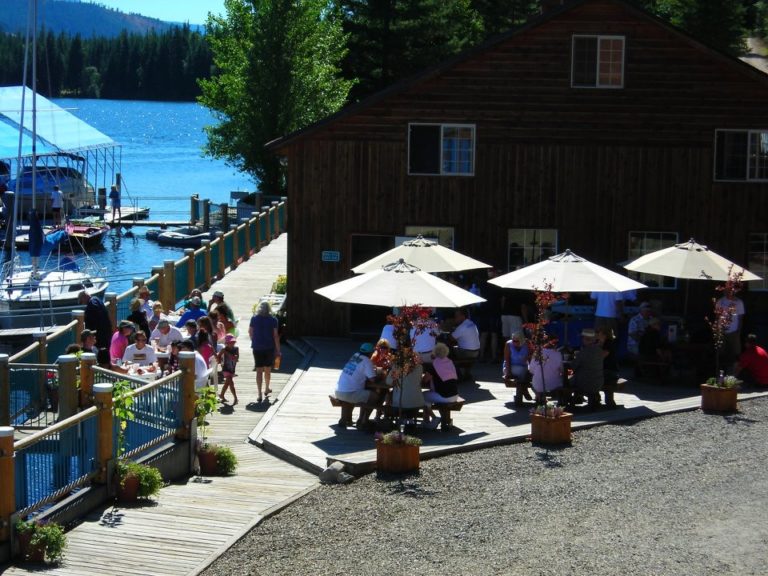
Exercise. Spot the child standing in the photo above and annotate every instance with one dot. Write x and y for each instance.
(228, 358)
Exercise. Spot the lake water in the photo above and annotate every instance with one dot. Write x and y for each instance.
(162, 166)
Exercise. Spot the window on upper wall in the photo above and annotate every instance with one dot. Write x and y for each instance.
(642, 243)
(757, 259)
(441, 149)
(442, 234)
(526, 246)
(597, 62)
(741, 155)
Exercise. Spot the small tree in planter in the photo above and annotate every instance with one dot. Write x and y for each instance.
(397, 452)
(214, 460)
(41, 541)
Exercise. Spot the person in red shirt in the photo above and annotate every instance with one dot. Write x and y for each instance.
(752, 366)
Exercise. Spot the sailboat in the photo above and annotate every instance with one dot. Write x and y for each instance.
(39, 295)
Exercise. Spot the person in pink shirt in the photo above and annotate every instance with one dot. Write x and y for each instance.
(752, 366)
(120, 340)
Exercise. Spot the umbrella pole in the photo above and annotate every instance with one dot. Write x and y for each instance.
(685, 302)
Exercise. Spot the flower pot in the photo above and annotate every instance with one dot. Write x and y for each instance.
(396, 458)
(30, 552)
(548, 430)
(127, 488)
(716, 399)
(209, 465)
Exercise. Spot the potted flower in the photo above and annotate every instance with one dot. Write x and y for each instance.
(397, 452)
(40, 541)
(550, 424)
(719, 393)
(133, 480)
(214, 460)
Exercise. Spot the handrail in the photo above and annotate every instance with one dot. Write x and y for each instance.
(145, 385)
(31, 348)
(54, 428)
(63, 330)
(30, 365)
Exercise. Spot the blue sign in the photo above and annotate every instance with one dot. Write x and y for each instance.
(331, 256)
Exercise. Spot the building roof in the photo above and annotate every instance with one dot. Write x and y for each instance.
(57, 130)
(402, 85)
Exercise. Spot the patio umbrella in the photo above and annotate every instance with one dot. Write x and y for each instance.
(688, 260)
(567, 272)
(425, 254)
(399, 284)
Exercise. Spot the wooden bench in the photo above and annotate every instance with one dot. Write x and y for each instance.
(346, 409)
(446, 422)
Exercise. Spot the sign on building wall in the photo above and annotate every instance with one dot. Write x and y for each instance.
(331, 256)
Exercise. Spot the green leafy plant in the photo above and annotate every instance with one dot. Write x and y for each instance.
(281, 285)
(149, 478)
(549, 410)
(48, 536)
(226, 460)
(206, 403)
(122, 409)
(396, 437)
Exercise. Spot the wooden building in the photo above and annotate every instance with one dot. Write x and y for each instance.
(596, 127)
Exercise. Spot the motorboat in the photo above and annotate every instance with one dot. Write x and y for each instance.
(81, 235)
(186, 236)
(70, 180)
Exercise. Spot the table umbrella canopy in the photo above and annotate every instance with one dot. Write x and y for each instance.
(399, 284)
(688, 260)
(426, 255)
(567, 272)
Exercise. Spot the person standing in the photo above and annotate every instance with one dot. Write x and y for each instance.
(57, 203)
(731, 348)
(96, 318)
(609, 308)
(265, 343)
(114, 198)
(228, 358)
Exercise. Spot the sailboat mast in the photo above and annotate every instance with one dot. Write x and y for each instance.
(34, 102)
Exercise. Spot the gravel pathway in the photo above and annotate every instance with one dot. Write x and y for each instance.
(681, 494)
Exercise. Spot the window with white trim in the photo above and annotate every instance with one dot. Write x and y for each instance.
(757, 259)
(597, 61)
(441, 149)
(442, 234)
(526, 246)
(642, 243)
(741, 155)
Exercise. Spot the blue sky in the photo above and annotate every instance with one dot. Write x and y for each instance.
(192, 11)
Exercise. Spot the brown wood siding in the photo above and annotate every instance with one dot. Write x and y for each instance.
(592, 163)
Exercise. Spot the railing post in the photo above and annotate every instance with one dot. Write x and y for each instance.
(247, 233)
(68, 399)
(284, 204)
(87, 362)
(267, 224)
(235, 247)
(104, 430)
(110, 298)
(158, 271)
(193, 208)
(224, 211)
(275, 220)
(257, 228)
(189, 254)
(7, 482)
(188, 394)
(207, 215)
(5, 391)
(42, 358)
(78, 315)
(222, 255)
(169, 284)
(206, 244)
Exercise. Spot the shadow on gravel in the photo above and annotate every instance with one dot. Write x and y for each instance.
(408, 488)
(549, 459)
(739, 419)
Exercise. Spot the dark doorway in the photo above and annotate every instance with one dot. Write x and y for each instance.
(367, 320)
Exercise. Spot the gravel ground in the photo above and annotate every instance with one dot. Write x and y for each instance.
(681, 494)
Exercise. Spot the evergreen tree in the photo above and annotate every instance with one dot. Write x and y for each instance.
(501, 15)
(717, 23)
(277, 71)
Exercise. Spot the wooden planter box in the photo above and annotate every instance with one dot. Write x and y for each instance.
(716, 399)
(396, 458)
(209, 465)
(546, 430)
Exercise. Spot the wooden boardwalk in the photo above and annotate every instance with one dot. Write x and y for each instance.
(190, 524)
(303, 425)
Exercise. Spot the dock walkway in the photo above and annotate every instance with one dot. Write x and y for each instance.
(191, 523)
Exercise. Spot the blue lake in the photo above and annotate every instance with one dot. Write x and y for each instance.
(162, 166)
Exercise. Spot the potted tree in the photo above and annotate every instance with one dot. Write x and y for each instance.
(720, 393)
(214, 460)
(40, 541)
(133, 480)
(397, 452)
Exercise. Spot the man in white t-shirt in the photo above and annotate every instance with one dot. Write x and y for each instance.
(139, 353)
(732, 337)
(164, 334)
(609, 308)
(424, 342)
(351, 386)
(466, 335)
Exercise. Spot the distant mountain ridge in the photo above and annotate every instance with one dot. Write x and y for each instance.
(76, 17)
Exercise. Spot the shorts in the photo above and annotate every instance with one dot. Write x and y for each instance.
(263, 358)
(227, 374)
(356, 397)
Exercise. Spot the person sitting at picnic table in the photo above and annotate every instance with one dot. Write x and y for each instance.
(653, 346)
(225, 317)
(172, 364)
(465, 335)
(546, 371)
(357, 373)
(147, 302)
(607, 343)
(217, 299)
(104, 360)
(636, 328)
(388, 333)
(406, 392)
(88, 341)
(752, 366)
(382, 356)
(190, 327)
(515, 366)
(588, 369)
(138, 317)
(218, 326)
(139, 353)
(205, 347)
(442, 378)
(120, 340)
(195, 293)
(201, 368)
(155, 317)
(424, 341)
(164, 334)
(194, 311)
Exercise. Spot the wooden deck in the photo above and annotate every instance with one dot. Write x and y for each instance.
(303, 426)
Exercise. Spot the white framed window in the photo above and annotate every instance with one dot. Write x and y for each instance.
(741, 155)
(597, 61)
(442, 234)
(441, 149)
(526, 246)
(757, 259)
(642, 243)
